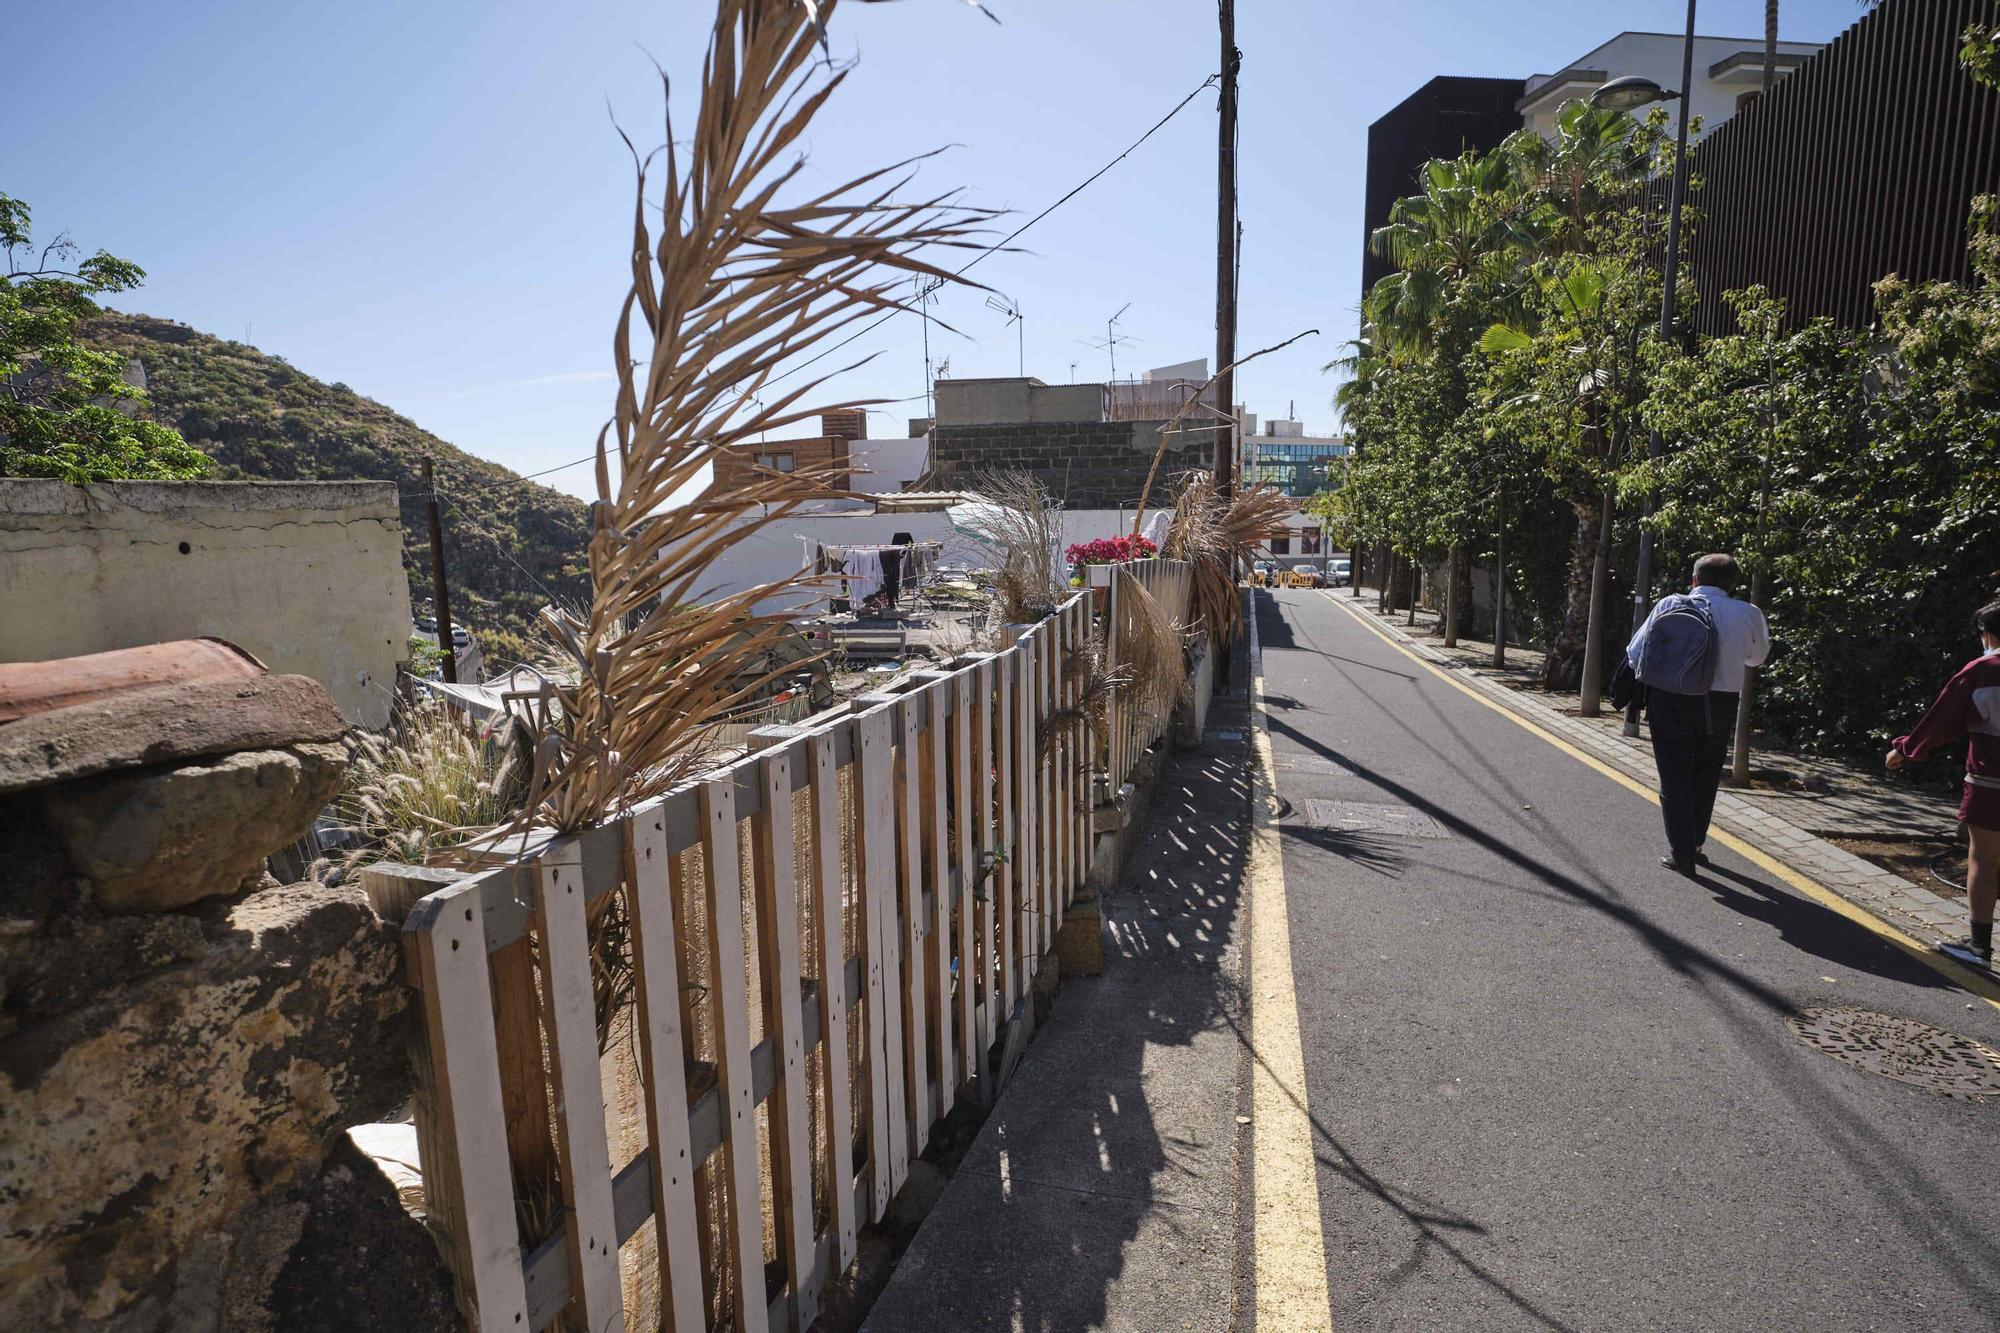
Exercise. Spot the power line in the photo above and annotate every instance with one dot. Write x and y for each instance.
(999, 245)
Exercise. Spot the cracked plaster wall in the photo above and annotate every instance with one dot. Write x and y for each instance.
(306, 575)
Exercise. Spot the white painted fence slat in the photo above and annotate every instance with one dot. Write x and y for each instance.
(834, 1001)
(777, 896)
(730, 1009)
(937, 949)
(915, 934)
(876, 840)
(448, 941)
(1007, 876)
(569, 1017)
(963, 788)
(657, 989)
(986, 837)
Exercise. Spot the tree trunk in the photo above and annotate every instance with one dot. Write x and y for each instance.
(1739, 764)
(1415, 583)
(1451, 602)
(1384, 578)
(1563, 666)
(1500, 583)
(1592, 688)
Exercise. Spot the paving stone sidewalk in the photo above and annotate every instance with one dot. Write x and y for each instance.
(1792, 827)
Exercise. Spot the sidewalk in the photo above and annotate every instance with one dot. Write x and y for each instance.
(1102, 1191)
(1794, 818)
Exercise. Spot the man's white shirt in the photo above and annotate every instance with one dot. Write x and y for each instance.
(1742, 639)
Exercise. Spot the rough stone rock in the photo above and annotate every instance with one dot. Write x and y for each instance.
(149, 840)
(164, 725)
(138, 1129)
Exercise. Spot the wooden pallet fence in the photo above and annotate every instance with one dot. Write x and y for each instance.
(965, 840)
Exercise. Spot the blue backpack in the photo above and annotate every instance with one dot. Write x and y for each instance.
(1679, 652)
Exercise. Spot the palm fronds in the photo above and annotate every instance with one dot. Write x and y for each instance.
(738, 274)
(1217, 536)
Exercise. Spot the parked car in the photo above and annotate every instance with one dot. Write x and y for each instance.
(1341, 572)
(1308, 576)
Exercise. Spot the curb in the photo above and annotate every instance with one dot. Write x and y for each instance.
(1909, 907)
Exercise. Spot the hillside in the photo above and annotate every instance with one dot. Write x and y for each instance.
(257, 417)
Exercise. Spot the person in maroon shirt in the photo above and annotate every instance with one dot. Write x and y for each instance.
(1969, 706)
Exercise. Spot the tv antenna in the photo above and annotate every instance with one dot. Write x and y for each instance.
(927, 289)
(1012, 310)
(1112, 340)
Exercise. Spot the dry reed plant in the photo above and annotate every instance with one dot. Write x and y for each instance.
(738, 271)
(1023, 527)
(1217, 536)
(427, 786)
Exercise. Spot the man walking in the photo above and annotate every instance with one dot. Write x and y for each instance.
(1690, 655)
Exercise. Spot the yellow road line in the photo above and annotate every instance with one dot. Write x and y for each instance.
(1965, 978)
(1290, 1278)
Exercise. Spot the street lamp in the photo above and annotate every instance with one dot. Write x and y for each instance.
(1626, 94)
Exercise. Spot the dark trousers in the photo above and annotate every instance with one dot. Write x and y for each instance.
(1689, 744)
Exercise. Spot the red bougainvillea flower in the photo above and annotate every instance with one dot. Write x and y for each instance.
(1110, 551)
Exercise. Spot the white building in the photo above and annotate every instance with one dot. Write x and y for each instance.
(1728, 74)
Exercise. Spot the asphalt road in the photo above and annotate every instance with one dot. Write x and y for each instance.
(1551, 1083)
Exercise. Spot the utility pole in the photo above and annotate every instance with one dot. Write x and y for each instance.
(439, 592)
(1225, 254)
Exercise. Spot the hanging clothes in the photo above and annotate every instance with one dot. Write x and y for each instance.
(863, 568)
(892, 573)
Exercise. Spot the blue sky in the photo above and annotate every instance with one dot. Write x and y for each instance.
(428, 200)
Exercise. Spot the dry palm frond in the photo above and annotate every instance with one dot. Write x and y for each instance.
(1085, 662)
(428, 786)
(1217, 536)
(1023, 526)
(747, 273)
(1151, 646)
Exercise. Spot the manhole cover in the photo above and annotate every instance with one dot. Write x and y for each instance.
(1396, 821)
(1902, 1049)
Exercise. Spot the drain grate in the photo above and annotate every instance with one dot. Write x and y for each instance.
(1395, 821)
(1902, 1049)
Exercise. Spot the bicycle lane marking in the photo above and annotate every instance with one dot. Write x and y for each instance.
(1819, 893)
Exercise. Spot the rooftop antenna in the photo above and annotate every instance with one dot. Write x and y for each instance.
(927, 289)
(1111, 340)
(1012, 310)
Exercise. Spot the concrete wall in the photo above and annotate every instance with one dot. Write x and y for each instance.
(1084, 464)
(306, 575)
(998, 401)
(775, 551)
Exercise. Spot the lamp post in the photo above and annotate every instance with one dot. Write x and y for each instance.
(1628, 94)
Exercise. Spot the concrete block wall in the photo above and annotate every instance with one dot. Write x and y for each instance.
(1084, 464)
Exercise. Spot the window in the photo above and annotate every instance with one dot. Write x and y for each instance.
(1281, 546)
(776, 462)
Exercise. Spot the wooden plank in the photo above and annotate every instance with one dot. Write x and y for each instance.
(915, 935)
(985, 878)
(569, 1017)
(833, 996)
(463, 1128)
(777, 898)
(937, 823)
(1028, 825)
(742, 1224)
(875, 840)
(1007, 752)
(685, 898)
(657, 990)
(964, 789)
